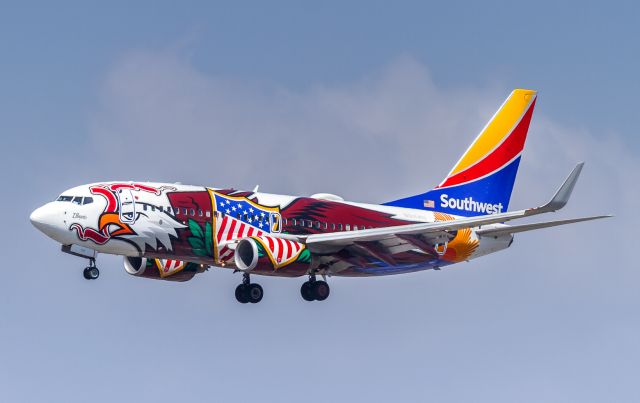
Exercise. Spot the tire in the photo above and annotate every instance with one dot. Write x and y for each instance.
(241, 294)
(306, 291)
(320, 290)
(255, 293)
(85, 273)
(94, 273)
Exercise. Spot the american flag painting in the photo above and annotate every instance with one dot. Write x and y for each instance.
(169, 266)
(238, 218)
(281, 251)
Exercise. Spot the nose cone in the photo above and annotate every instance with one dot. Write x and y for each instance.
(44, 219)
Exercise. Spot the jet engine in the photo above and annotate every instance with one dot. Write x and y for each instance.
(267, 253)
(161, 269)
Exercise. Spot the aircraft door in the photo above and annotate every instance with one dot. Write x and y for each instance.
(275, 222)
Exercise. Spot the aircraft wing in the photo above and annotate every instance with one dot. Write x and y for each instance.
(440, 230)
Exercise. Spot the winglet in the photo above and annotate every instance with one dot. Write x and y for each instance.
(563, 194)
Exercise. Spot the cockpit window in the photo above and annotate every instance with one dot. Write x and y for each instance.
(79, 200)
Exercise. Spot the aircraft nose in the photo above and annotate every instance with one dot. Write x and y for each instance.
(42, 218)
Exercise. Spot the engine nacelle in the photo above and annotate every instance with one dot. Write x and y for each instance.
(161, 269)
(267, 254)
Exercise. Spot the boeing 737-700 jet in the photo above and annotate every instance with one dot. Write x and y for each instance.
(173, 232)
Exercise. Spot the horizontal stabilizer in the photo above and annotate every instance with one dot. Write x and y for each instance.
(513, 229)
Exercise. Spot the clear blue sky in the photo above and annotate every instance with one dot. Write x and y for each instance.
(366, 99)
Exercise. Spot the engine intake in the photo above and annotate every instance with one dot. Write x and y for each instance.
(267, 254)
(246, 254)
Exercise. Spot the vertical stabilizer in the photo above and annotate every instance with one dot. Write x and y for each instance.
(482, 180)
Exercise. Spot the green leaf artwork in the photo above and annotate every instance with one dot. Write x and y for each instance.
(200, 243)
(261, 251)
(304, 257)
(208, 238)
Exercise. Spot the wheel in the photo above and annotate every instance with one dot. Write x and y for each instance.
(320, 290)
(91, 273)
(255, 293)
(306, 292)
(94, 273)
(241, 294)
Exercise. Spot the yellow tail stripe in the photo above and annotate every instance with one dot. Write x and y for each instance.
(497, 129)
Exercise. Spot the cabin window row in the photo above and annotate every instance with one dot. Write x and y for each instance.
(297, 222)
(177, 210)
(257, 218)
(200, 213)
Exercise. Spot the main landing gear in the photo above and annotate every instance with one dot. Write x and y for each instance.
(249, 292)
(91, 272)
(314, 290)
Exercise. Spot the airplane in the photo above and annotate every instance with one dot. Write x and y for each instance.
(172, 232)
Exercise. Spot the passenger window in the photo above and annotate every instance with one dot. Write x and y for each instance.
(184, 211)
(284, 221)
(333, 226)
(193, 212)
(347, 227)
(309, 223)
(317, 224)
(144, 207)
(200, 213)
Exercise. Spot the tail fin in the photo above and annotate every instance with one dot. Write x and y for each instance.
(482, 180)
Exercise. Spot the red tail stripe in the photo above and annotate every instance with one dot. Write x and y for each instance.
(511, 147)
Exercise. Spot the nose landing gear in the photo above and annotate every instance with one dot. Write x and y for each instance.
(91, 272)
(249, 292)
(314, 290)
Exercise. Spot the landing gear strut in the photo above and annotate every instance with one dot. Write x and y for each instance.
(91, 272)
(249, 292)
(314, 290)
